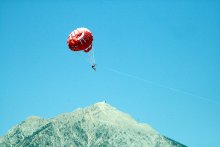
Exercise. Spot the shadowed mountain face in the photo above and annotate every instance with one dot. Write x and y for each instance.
(99, 125)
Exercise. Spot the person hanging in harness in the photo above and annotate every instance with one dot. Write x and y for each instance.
(94, 67)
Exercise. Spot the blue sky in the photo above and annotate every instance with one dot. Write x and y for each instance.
(158, 61)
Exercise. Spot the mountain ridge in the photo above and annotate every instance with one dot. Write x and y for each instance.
(97, 125)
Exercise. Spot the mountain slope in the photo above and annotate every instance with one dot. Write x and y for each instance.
(99, 125)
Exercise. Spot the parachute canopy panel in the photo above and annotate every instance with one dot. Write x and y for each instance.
(80, 40)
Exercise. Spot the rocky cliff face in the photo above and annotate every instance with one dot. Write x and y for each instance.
(99, 125)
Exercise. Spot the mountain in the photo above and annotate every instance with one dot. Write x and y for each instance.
(99, 125)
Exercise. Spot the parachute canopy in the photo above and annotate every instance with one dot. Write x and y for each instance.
(80, 40)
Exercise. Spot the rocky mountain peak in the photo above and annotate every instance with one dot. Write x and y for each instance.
(97, 125)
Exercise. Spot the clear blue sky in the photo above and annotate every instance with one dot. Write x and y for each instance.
(174, 44)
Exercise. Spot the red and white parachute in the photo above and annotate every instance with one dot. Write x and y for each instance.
(81, 40)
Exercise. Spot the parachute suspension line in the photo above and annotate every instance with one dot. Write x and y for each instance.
(91, 56)
(84, 57)
(88, 56)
